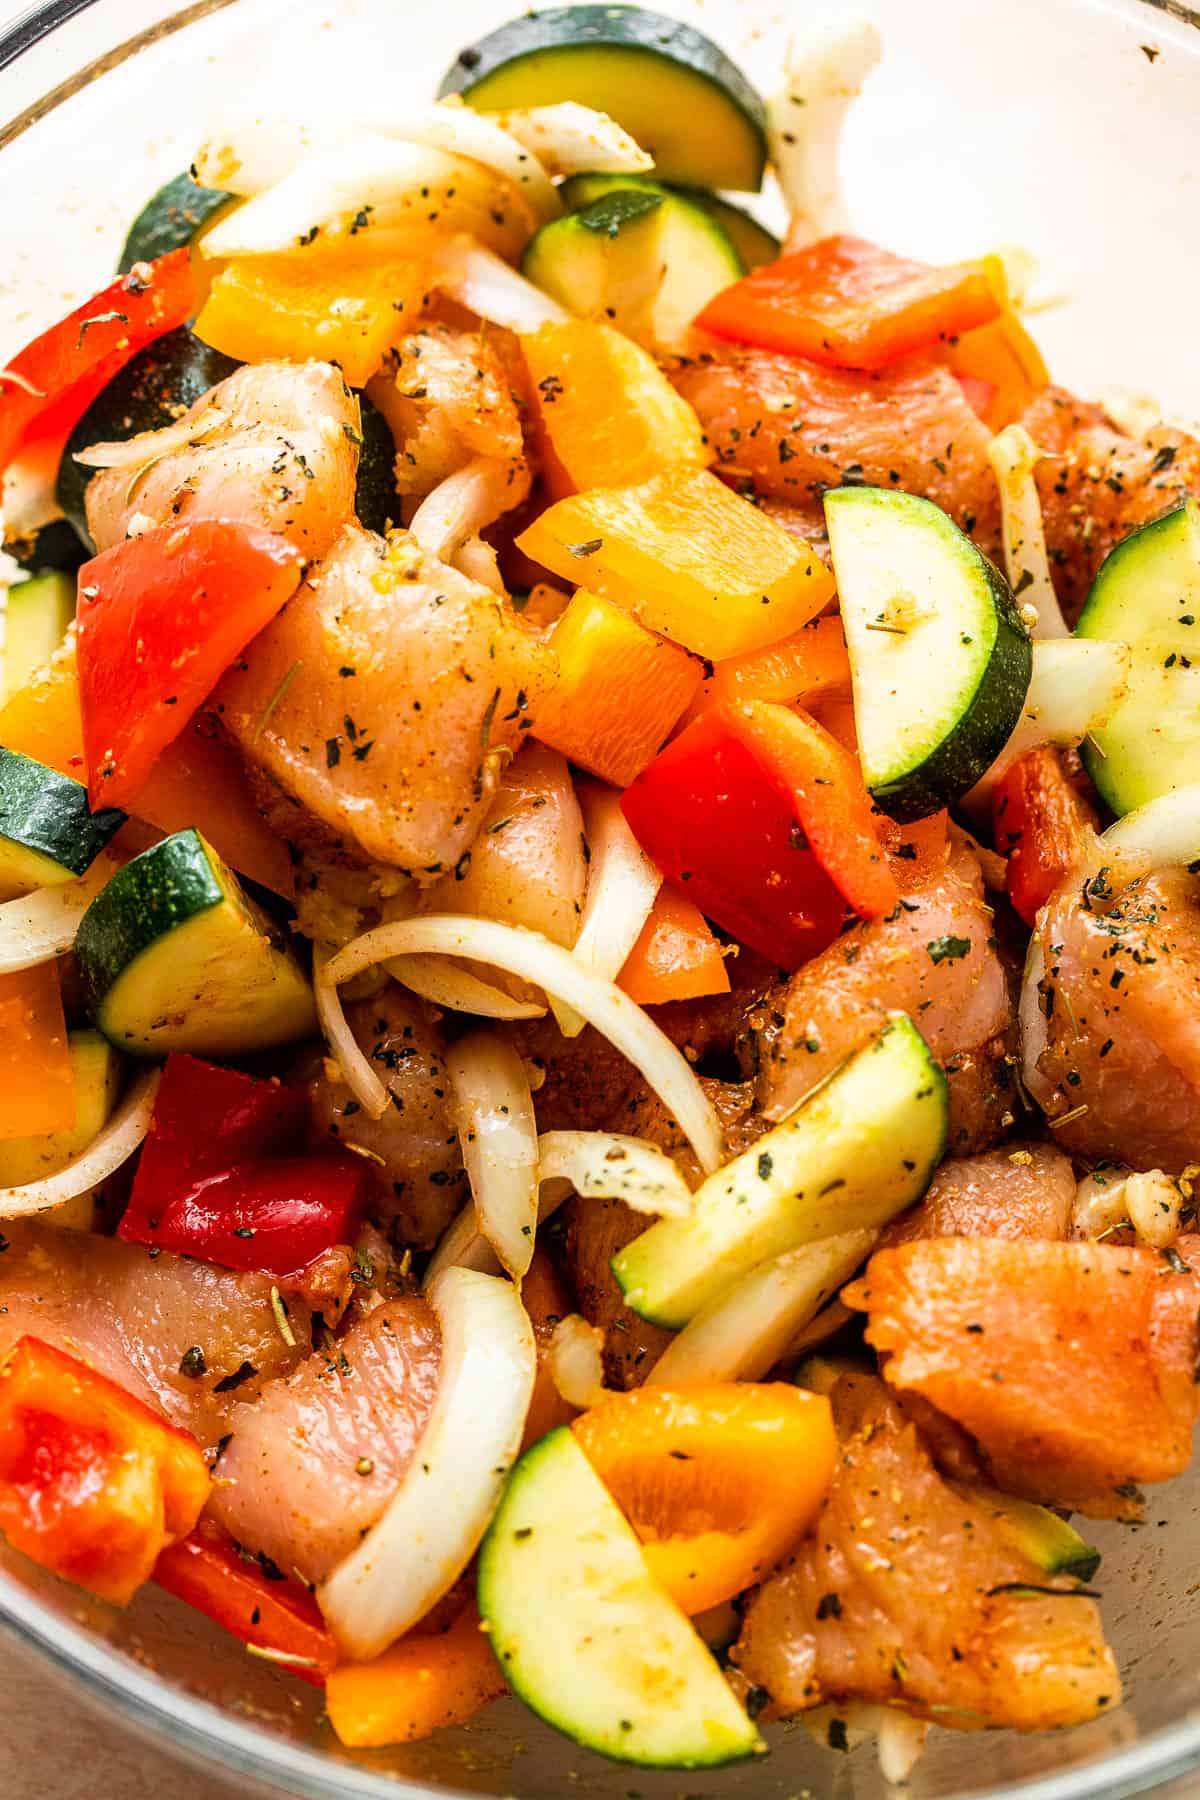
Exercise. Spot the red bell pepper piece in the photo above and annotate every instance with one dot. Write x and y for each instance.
(1042, 823)
(850, 304)
(53, 379)
(161, 617)
(978, 393)
(763, 820)
(212, 1183)
(93, 1485)
(268, 1611)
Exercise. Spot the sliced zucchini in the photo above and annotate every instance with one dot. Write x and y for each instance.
(47, 834)
(174, 956)
(151, 391)
(645, 259)
(96, 1067)
(376, 501)
(939, 658)
(52, 546)
(752, 242)
(1048, 1541)
(35, 623)
(854, 1153)
(171, 218)
(1147, 595)
(666, 83)
(583, 1632)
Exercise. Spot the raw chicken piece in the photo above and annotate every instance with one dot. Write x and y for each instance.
(1022, 1191)
(448, 397)
(274, 444)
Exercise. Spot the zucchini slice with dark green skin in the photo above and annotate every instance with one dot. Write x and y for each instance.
(670, 86)
(1048, 1541)
(151, 391)
(170, 219)
(939, 657)
(36, 618)
(54, 546)
(376, 501)
(176, 956)
(1147, 594)
(47, 834)
(752, 242)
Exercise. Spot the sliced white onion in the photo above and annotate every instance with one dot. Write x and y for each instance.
(532, 957)
(1163, 834)
(1032, 1023)
(576, 1359)
(462, 1246)
(569, 139)
(899, 1744)
(1014, 456)
(622, 887)
(43, 924)
(823, 74)
(102, 1158)
(464, 503)
(485, 284)
(445, 984)
(607, 1165)
(434, 1521)
(1076, 684)
(357, 1072)
(497, 1132)
(744, 1333)
(479, 562)
(1108, 1199)
(148, 446)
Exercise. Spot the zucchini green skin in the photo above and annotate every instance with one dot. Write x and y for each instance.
(151, 391)
(670, 86)
(752, 243)
(375, 499)
(583, 1633)
(1049, 1542)
(52, 548)
(1147, 594)
(987, 668)
(170, 219)
(47, 834)
(36, 618)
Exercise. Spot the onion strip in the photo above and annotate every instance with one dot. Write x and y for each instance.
(463, 504)
(148, 446)
(497, 1132)
(605, 1165)
(805, 121)
(532, 957)
(576, 1358)
(1077, 684)
(357, 1072)
(1014, 456)
(443, 983)
(485, 284)
(622, 887)
(112, 1147)
(43, 924)
(571, 139)
(434, 1521)
(1165, 833)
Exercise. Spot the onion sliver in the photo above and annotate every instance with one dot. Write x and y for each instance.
(462, 505)
(485, 284)
(608, 1165)
(532, 957)
(498, 1136)
(1076, 685)
(1014, 456)
(43, 924)
(570, 139)
(577, 1361)
(622, 886)
(148, 446)
(103, 1156)
(805, 121)
(357, 1072)
(1032, 1022)
(1163, 834)
(443, 983)
(744, 1333)
(462, 1246)
(434, 1521)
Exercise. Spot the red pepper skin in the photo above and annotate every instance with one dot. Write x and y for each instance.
(207, 1571)
(67, 366)
(212, 1184)
(714, 825)
(93, 1485)
(161, 617)
(1042, 824)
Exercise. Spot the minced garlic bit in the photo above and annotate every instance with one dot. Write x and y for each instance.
(1112, 1198)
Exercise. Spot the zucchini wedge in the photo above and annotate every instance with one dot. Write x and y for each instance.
(36, 617)
(855, 1152)
(171, 218)
(96, 1067)
(174, 956)
(50, 548)
(752, 242)
(585, 1635)
(666, 83)
(47, 834)
(376, 502)
(1048, 1541)
(939, 657)
(1147, 594)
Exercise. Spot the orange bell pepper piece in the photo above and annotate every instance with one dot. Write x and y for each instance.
(93, 1485)
(619, 691)
(676, 956)
(717, 1480)
(688, 557)
(1000, 367)
(605, 411)
(916, 851)
(812, 661)
(853, 305)
(426, 1681)
(337, 307)
(198, 780)
(37, 1077)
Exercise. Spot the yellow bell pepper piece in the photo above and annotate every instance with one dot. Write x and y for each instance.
(1005, 356)
(37, 1080)
(606, 414)
(96, 1067)
(688, 557)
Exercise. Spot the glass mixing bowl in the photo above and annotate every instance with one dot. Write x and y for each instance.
(1063, 125)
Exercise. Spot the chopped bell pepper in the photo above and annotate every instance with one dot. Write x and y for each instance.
(274, 1616)
(853, 305)
(606, 414)
(93, 1485)
(676, 956)
(425, 1682)
(51, 381)
(1000, 368)
(37, 1077)
(812, 661)
(619, 691)
(161, 617)
(688, 557)
(213, 1181)
(1042, 824)
(336, 307)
